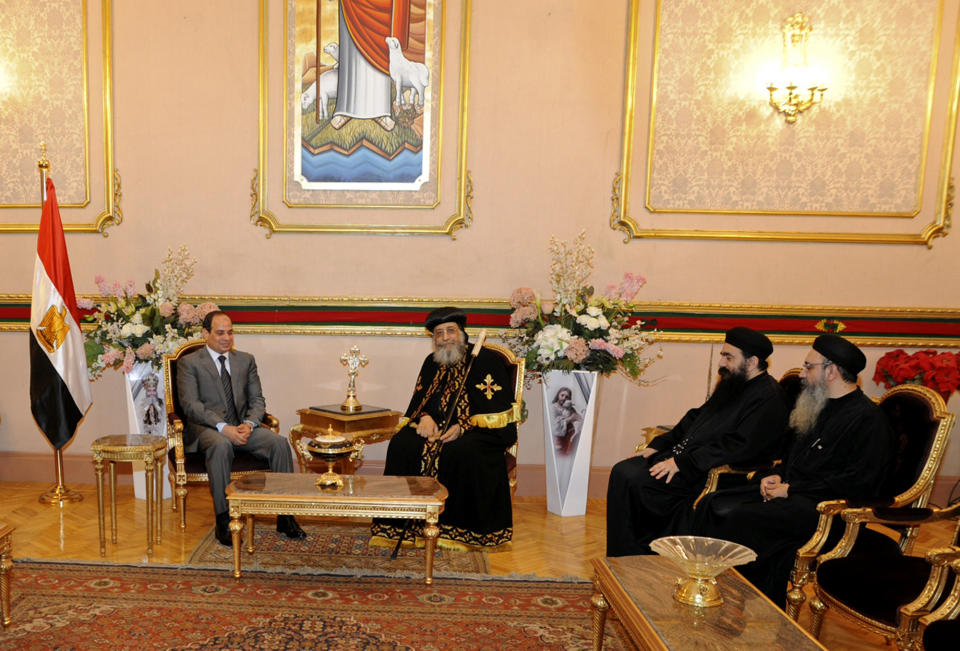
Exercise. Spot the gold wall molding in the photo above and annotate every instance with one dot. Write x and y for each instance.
(111, 214)
(938, 212)
(261, 213)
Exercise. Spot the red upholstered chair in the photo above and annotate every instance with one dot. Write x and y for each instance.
(188, 467)
(894, 595)
(922, 425)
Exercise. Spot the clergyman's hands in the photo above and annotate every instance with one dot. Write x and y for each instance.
(666, 468)
(427, 428)
(451, 434)
(773, 487)
(646, 453)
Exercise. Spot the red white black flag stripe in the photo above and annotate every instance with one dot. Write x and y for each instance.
(59, 386)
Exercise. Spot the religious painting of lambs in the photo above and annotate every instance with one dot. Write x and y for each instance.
(365, 88)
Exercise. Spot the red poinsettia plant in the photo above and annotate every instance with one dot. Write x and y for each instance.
(933, 369)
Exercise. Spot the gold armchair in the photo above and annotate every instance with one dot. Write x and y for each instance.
(189, 467)
(889, 594)
(517, 366)
(922, 427)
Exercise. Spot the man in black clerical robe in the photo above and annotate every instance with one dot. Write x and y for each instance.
(468, 456)
(742, 422)
(842, 450)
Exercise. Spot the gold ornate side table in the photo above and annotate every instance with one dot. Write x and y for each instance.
(367, 425)
(6, 563)
(151, 450)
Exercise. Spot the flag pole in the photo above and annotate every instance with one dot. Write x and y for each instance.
(60, 493)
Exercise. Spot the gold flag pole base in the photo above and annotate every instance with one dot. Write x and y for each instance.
(59, 493)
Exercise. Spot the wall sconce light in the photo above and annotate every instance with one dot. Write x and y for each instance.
(794, 74)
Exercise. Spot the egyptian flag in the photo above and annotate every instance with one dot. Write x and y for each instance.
(59, 387)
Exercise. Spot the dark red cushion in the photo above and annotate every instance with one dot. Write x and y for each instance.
(242, 462)
(874, 585)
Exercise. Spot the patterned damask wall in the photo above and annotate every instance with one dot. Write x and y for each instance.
(718, 146)
(42, 98)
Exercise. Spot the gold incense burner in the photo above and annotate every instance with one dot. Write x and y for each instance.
(331, 447)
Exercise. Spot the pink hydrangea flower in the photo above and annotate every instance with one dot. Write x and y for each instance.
(85, 303)
(128, 360)
(577, 350)
(131, 288)
(187, 314)
(102, 285)
(111, 355)
(603, 344)
(146, 351)
(166, 309)
(204, 309)
(523, 314)
(117, 289)
(522, 296)
(630, 285)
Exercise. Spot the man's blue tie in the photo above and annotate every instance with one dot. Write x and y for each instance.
(232, 418)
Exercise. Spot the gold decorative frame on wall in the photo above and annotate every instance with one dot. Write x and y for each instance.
(262, 215)
(620, 218)
(111, 214)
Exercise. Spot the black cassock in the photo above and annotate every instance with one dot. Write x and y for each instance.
(749, 429)
(846, 456)
(473, 467)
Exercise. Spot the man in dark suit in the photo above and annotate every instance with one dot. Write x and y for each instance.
(220, 393)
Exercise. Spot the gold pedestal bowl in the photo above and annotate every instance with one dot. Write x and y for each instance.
(702, 560)
(331, 447)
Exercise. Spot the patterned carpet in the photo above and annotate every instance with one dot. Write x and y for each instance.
(332, 548)
(61, 606)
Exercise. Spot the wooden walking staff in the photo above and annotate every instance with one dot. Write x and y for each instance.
(446, 423)
(60, 493)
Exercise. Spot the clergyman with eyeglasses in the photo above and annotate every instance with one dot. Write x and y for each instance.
(842, 449)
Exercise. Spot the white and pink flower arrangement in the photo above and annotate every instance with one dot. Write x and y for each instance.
(580, 329)
(133, 327)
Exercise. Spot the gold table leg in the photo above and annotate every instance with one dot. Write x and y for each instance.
(236, 529)
(148, 467)
(158, 501)
(98, 468)
(430, 533)
(112, 467)
(6, 564)
(600, 608)
(250, 525)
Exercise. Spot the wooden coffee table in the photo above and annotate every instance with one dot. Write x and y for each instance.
(639, 589)
(277, 493)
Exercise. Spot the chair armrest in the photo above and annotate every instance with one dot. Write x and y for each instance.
(650, 433)
(924, 610)
(807, 554)
(270, 422)
(175, 436)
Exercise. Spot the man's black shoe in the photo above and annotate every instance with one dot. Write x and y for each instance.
(224, 537)
(289, 527)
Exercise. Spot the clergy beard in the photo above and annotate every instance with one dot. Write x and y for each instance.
(810, 403)
(730, 387)
(450, 354)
